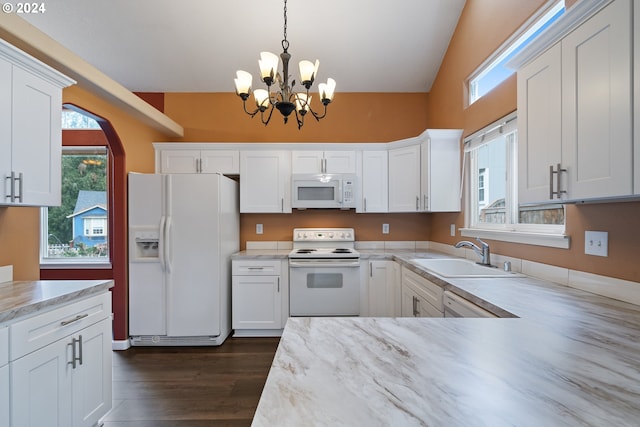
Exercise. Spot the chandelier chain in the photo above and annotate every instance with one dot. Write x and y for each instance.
(285, 42)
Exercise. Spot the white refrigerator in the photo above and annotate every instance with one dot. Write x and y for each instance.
(182, 230)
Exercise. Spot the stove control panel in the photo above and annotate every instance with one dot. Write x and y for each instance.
(323, 235)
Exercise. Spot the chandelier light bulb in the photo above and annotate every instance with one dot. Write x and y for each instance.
(268, 63)
(308, 72)
(326, 90)
(262, 99)
(243, 83)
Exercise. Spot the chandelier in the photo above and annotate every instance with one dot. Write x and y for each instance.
(283, 98)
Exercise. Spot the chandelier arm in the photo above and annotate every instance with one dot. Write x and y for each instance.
(268, 117)
(251, 113)
(319, 116)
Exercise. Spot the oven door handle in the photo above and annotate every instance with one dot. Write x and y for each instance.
(321, 263)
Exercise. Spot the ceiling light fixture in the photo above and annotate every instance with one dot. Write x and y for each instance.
(285, 99)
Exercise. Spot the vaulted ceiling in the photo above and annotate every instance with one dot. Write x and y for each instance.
(197, 45)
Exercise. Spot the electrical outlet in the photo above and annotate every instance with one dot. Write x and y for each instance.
(596, 243)
(385, 228)
(259, 229)
(453, 230)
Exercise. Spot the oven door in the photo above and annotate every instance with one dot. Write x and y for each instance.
(324, 287)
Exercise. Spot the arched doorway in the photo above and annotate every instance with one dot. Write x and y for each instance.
(107, 137)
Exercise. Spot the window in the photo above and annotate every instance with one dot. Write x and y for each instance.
(76, 232)
(494, 70)
(492, 197)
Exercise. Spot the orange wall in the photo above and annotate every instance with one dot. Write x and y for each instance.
(483, 26)
(362, 117)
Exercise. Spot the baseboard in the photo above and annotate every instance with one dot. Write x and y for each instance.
(120, 345)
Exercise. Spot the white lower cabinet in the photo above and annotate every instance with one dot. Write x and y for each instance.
(384, 288)
(4, 377)
(60, 369)
(258, 294)
(420, 297)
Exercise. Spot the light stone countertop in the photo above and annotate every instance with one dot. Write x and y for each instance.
(565, 358)
(21, 298)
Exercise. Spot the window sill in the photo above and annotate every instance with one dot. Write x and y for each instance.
(75, 265)
(549, 240)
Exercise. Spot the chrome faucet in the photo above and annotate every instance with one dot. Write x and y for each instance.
(483, 250)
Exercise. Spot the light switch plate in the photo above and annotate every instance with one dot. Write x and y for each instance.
(259, 229)
(385, 228)
(596, 243)
(452, 230)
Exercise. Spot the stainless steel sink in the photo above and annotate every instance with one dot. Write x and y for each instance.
(461, 268)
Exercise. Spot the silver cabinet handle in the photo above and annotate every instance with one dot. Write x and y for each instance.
(20, 186)
(417, 203)
(323, 165)
(425, 198)
(75, 319)
(282, 205)
(278, 284)
(558, 181)
(370, 269)
(365, 204)
(75, 358)
(12, 192)
(255, 268)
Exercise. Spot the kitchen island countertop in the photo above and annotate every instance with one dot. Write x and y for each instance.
(21, 298)
(565, 357)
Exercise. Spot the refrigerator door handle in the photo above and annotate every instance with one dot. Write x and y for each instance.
(161, 243)
(167, 250)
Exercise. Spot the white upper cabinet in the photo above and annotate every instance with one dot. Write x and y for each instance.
(440, 182)
(636, 98)
(575, 110)
(539, 124)
(265, 181)
(189, 160)
(404, 179)
(303, 161)
(374, 182)
(30, 130)
(425, 176)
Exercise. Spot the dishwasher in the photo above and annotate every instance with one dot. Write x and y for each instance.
(456, 306)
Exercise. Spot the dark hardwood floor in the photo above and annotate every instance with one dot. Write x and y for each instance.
(190, 386)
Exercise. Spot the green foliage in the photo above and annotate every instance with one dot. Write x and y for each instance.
(79, 172)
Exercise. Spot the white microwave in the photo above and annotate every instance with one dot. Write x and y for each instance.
(323, 191)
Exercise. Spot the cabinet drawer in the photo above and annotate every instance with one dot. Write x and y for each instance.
(38, 331)
(431, 292)
(4, 346)
(256, 268)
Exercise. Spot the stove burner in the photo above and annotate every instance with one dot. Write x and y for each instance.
(305, 251)
(341, 251)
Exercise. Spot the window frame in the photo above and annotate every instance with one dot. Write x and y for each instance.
(514, 43)
(551, 235)
(75, 262)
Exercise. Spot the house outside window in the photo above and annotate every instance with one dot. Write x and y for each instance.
(76, 232)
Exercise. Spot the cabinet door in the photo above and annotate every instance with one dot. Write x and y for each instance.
(404, 179)
(41, 387)
(340, 161)
(440, 171)
(256, 302)
(306, 161)
(408, 308)
(179, 161)
(5, 129)
(539, 125)
(91, 380)
(220, 161)
(4, 396)
(37, 138)
(597, 148)
(265, 181)
(636, 99)
(382, 299)
(375, 181)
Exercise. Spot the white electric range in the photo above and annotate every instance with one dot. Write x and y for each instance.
(324, 273)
